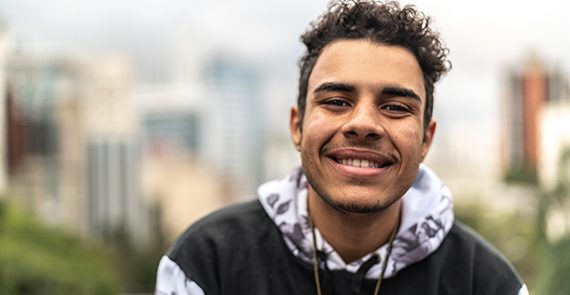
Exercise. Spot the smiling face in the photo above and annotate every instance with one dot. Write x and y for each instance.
(362, 137)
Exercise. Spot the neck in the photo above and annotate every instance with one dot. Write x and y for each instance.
(341, 229)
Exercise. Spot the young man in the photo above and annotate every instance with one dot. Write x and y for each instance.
(362, 215)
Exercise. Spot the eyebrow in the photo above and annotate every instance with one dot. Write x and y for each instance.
(399, 91)
(388, 90)
(335, 86)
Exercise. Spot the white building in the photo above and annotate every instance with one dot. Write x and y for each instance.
(3, 119)
(233, 134)
(554, 140)
(76, 144)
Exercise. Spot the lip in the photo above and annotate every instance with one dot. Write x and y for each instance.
(385, 161)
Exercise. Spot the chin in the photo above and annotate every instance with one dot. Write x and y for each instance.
(359, 206)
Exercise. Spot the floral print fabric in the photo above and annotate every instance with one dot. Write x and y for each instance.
(427, 217)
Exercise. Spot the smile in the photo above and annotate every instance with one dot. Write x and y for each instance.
(359, 163)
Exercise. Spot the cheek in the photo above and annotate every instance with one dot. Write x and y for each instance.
(317, 129)
(409, 140)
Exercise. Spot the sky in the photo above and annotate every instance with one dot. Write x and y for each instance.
(485, 39)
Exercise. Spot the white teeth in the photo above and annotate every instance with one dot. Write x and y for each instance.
(359, 163)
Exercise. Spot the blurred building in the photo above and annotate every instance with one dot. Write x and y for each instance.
(464, 156)
(73, 143)
(174, 179)
(203, 136)
(528, 90)
(554, 140)
(280, 154)
(233, 123)
(3, 111)
(182, 189)
(474, 158)
(554, 163)
(536, 135)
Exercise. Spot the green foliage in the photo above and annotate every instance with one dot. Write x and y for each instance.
(555, 269)
(36, 259)
(138, 270)
(521, 175)
(555, 265)
(135, 265)
(513, 233)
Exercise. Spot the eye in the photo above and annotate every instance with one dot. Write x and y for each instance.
(396, 108)
(336, 102)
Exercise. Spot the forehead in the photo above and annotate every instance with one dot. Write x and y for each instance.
(365, 63)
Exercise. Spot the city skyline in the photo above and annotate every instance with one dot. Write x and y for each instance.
(169, 57)
(484, 38)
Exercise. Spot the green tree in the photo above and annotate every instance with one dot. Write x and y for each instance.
(38, 259)
(555, 268)
(136, 265)
(555, 265)
(513, 233)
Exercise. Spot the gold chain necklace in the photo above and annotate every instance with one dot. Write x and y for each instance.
(384, 263)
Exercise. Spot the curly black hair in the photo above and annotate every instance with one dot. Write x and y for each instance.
(385, 23)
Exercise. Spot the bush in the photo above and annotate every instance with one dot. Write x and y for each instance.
(555, 269)
(513, 233)
(37, 259)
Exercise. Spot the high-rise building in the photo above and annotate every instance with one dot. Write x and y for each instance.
(554, 161)
(233, 134)
(174, 129)
(529, 88)
(113, 153)
(33, 87)
(175, 178)
(73, 143)
(554, 143)
(3, 104)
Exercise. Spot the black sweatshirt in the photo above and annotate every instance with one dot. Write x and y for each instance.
(240, 250)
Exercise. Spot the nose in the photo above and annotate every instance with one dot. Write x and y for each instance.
(364, 123)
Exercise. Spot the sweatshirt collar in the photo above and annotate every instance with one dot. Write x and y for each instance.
(427, 217)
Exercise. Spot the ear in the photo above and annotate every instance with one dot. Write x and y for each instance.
(295, 127)
(428, 138)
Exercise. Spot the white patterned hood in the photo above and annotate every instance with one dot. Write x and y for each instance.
(427, 217)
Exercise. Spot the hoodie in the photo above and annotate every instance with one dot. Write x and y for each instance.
(265, 247)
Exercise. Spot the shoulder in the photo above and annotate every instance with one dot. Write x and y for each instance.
(218, 243)
(226, 225)
(464, 263)
(240, 213)
(469, 241)
(490, 271)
